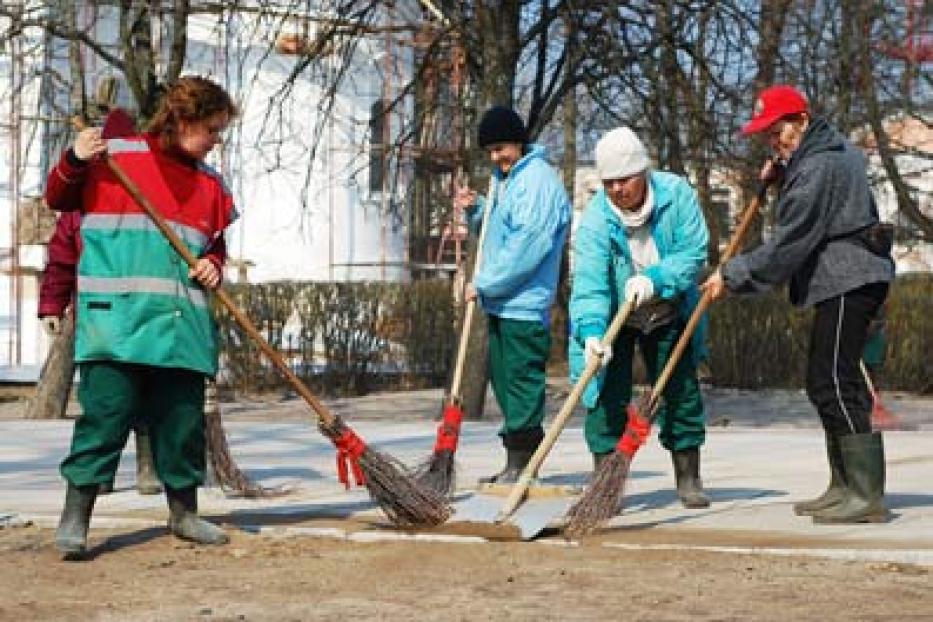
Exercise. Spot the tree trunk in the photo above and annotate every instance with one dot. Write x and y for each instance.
(75, 64)
(670, 148)
(702, 143)
(54, 387)
(559, 318)
(498, 44)
(476, 364)
(771, 29)
(906, 204)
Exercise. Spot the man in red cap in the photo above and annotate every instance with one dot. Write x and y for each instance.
(828, 244)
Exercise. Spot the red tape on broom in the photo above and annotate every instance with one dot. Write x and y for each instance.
(636, 432)
(448, 432)
(349, 449)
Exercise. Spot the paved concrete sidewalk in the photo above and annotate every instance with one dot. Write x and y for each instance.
(753, 474)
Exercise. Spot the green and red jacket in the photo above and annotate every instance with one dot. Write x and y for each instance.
(135, 301)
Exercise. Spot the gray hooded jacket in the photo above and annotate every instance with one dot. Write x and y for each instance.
(823, 203)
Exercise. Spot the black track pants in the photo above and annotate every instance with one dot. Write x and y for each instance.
(835, 384)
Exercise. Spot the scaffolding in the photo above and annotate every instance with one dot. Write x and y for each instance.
(9, 253)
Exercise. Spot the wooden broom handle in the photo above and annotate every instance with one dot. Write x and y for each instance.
(731, 248)
(324, 415)
(471, 305)
(531, 469)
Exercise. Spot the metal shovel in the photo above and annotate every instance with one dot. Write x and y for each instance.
(484, 513)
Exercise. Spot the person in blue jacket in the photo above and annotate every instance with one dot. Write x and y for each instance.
(517, 278)
(642, 239)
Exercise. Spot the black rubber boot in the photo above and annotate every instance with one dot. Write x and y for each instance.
(147, 482)
(184, 522)
(863, 464)
(687, 474)
(837, 482)
(71, 536)
(515, 462)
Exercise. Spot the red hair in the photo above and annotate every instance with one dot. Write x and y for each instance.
(190, 99)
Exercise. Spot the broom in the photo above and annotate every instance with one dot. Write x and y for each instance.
(881, 417)
(603, 498)
(438, 471)
(517, 494)
(404, 501)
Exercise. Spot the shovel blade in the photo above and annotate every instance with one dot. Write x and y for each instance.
(478, 515)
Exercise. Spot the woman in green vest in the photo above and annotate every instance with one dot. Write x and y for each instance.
(145, 336)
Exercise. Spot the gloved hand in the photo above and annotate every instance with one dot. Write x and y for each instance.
(638, 289)
(595, 348)
(51, 324)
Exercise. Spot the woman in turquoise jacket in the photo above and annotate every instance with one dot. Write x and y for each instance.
(643, 239)
(518, 275)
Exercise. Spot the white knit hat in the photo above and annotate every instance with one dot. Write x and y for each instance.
(619, 154)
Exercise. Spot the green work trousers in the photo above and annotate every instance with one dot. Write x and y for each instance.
(170, 401)
(680, 417)
(518, 352)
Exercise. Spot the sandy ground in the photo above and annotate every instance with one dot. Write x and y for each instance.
(145, 574)
(151, 576)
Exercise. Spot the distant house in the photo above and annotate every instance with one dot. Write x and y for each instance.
(912, 138)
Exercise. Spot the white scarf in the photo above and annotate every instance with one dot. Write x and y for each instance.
(641, 244)
(638, 218)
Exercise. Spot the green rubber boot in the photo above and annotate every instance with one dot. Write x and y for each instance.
(687, 475)
(71, 535)
(184, 522)
(837, 482)
(863, 464)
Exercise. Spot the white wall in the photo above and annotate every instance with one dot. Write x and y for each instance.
(320, 224)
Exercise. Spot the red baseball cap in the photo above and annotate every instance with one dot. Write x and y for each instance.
(773, 103)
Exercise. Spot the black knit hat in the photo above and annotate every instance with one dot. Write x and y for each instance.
(501, 125)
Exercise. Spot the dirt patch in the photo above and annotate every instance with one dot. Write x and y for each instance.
(147, 575)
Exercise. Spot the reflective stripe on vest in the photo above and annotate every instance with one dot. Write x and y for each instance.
(141, 285)
(123, 145)
(141, 222)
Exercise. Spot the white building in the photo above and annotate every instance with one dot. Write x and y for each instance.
(339, 215)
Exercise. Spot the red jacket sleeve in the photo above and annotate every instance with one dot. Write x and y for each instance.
(65, 183)
(226, 213)
(59, 280)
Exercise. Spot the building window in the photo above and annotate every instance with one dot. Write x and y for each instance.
(377, 147)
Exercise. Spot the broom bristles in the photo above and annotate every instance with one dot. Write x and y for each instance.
(438, 472)
(602, 500)
(405, 502)
(233, 481)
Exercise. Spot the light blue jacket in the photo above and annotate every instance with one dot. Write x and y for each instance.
(602, 265)
(524, 240)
